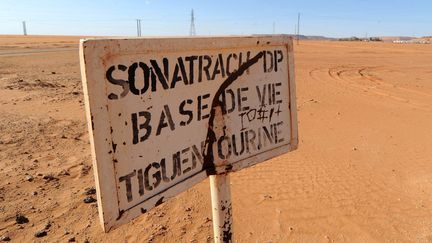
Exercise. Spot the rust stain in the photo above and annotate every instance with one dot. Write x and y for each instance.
(216, 114)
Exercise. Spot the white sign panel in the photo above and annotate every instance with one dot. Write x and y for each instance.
(164, 113)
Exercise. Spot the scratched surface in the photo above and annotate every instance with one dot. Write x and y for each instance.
(166, 113)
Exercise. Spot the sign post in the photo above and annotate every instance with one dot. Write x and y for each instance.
(166, 113)
(221, 207)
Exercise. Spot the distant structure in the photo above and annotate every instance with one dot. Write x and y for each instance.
(274, 27)
(138, 22)
(24, 28)
(354, 38)
(413, 41)
(298, 28)
(192, 24)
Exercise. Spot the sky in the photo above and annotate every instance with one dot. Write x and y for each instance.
(336, 18)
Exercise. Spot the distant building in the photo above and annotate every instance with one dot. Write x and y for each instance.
(413, 41)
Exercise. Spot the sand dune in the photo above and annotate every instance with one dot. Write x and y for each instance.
(362, 173)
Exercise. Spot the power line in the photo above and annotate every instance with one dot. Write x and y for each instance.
(192, 24)
(107, 24)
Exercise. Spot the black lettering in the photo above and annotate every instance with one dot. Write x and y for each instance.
(128, 183)
(235, 144)
(162, 123)
(123, 83)
(218, 68)
(176, 165)
(269, 87)
(269, 136)
(196, 154)
(202, 107)
(132, 79)
(188, 113)
(261, 94)
(247, 59)
(268, 69)
(206, 68)
(156, 175)
(200, 67)
(191, 60)
(140, 182)
(277, 93)
(231, 55)
(185, 160)
(147, 185)
(278, 131)
(241, 99)
(163, 78)
(176, 76)
(273, 94)
(164, 170)
(278, 58)
(145, 125)
(251, 114)
(225, 109)
(183, 70)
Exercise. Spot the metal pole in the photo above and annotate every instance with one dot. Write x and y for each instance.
(298, 28)
(192, 24)
(221, 208)
(24, 28)
(138, 25)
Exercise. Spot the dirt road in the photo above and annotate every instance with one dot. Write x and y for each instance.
(33, 51)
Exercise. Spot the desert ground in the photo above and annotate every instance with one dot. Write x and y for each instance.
(362, 172)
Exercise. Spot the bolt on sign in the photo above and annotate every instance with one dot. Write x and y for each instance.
(165, 113)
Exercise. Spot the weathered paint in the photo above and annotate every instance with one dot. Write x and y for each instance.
(164, 113)
(221, 208)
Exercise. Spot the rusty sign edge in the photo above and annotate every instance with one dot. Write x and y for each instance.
(98, 168)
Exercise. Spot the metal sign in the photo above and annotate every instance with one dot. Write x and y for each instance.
(164, 113)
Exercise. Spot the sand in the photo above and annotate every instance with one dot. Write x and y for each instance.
(362, 173)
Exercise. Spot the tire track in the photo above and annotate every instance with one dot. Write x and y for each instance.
(360, 78)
